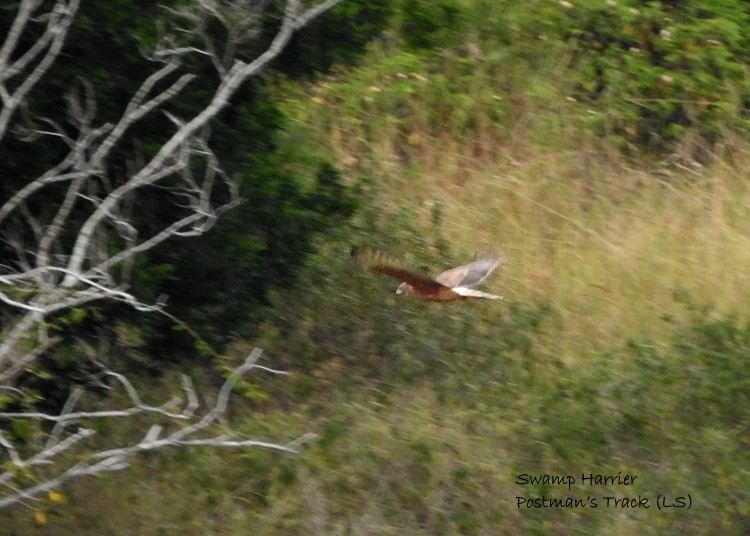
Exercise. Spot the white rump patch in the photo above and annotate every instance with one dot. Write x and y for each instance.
(471, 293)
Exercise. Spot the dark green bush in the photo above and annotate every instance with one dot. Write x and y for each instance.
(429, 24)
(338, 37)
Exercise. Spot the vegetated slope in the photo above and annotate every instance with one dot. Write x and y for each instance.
(621, 348)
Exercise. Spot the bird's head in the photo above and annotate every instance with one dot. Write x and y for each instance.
(402, 289)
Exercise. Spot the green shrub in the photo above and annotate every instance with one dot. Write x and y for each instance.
(430, 24)
(688, 403)
(339, 37)
(658, 71)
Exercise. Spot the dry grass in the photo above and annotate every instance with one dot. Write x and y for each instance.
(607, 243)
(501, 152)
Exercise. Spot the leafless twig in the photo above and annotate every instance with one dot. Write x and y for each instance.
(52, 275)
(80, 248)
(51, 455)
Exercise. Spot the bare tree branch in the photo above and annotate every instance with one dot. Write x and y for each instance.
(79, 248)
(48, 46)
(149, 174)
(114, 459)
(49, 275)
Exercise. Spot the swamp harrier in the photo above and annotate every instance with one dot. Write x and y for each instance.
(452, 284)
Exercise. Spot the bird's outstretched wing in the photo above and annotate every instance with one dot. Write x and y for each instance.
(378, 262)
(470, 274)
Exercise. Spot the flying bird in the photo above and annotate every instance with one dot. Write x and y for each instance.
(453, 284)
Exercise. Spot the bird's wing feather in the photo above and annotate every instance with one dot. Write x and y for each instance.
(470, 274)
(378, 262)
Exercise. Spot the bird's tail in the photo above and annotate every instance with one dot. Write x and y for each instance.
(471, 293)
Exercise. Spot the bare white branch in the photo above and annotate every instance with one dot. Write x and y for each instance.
(294, 19)
(80, 247)
(49, 276)
(12, 452)
(48, 46)
(115, 459)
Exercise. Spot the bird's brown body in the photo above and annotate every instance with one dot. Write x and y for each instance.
(437, 294)
(450, 285)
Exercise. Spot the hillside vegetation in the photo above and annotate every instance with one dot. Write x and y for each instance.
(601, 148)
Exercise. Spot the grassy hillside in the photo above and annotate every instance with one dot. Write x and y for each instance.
(622, 346)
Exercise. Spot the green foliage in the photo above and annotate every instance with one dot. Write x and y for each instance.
(690, 401)
(431, 24)
(426, 412)
(219, 281)
(657, 71)
(404, 103)
(716, 353)
(439, 453)
(338, 38)
(662, 77)
(256, 247)
(698, 382)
